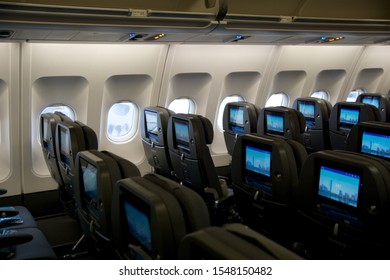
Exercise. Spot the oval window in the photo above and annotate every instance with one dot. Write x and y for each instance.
(182, 105)
(278, 99)
(225, 101)
(122, 121)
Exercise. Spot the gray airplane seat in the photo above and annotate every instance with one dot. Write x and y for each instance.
(152, 214)
(96, 173)
(154, 125)
(71, 138)
(343, 206)
(188, 137)
(238, 118)
(265, 170)
(344, 116)
(316, 112)
(371, 138)
(380, 101)
(48, 126)
(282, 122)
(232, 242)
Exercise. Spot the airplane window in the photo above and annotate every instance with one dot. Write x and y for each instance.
(226, 100)
(182, 105)
(320, 94)
(353, 95)
(278, 99)
(122, 121)
(60, 108)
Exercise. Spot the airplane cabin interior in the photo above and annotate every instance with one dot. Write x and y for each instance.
(195, 130)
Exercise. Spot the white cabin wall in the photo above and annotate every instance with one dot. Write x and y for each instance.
(10, 146)
(209, 73)
(301, 70)
(372, 72)
(80, 76)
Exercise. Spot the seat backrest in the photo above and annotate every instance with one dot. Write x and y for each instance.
(154, 124)
(372, 138)
(71, 138)
(96, 173)
(343, 201)
(152, 214)
(48, 125)
(238, 118)
(380, 101)
(316, 112)
(344, 116)
(188, 137)
(282, 122)
(232, 242)
(264, 171)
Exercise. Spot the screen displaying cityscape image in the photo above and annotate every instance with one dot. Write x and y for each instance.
(275, 123)
(376, 144)
(339, 185)
(349, 116)
(258, 161)
(236, 119)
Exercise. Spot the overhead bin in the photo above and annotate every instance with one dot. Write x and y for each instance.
(207, 21)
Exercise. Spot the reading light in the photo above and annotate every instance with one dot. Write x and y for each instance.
(159, 36)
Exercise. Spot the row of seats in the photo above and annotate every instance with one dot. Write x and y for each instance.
(137, 217)
(265, 194)
(311, 121)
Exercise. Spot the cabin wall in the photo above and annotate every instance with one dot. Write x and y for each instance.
(90, 77)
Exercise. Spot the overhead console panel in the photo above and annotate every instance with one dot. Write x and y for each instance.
(203, 21)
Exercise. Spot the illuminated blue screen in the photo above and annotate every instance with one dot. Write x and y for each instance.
(90, 181)
(376, 144)
(307, 109)
(372, 100)
(339, 185)
(349, 116)
(236, 119)
(181, 131)
(275, 123)
(258, 161)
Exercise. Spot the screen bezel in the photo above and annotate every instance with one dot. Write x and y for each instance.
(252, 176)
(145, 209)
(151, 134)
(310, 120)
(89, 202)
(233, 125)
(179, 143)
(373, 99)
(339, 209)
(362, 130)
(346, 125)
(273, 114)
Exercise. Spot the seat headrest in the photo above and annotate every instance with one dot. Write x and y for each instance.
(208, 129)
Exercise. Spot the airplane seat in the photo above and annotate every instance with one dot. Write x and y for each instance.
(238, 118)
(152, 214)
(343, 206)
(48, 125)
(316, 112)
(344, 116)
(282, 122)
(232, 242)
(96, 173)
(188, 137)
(154, 124)
(71, 138)
(371, 138)
(380, 101)
(264, 172)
